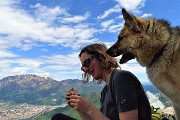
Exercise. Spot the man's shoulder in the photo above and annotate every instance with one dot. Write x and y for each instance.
(123, 76)
(119, 72)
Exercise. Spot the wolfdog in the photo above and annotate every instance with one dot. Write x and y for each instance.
(155, 45)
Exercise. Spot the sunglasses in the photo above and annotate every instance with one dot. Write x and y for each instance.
(87, 62)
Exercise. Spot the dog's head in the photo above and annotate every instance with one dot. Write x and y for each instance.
(128, 36)
(116, 50)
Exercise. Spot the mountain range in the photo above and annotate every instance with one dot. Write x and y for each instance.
(36, 90)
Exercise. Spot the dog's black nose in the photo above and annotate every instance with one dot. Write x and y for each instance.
(108, 52)
(114, 51)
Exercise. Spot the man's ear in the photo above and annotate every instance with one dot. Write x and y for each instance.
(130, 20)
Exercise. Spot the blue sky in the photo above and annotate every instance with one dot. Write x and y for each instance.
(44, 37)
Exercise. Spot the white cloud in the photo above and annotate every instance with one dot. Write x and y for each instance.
(62, 65)
(109, 11)
(48, 15)
(17, 25)
(75, 19)
(46, 66)
(31, 63)
(134, 67)
(131, 4)
(146, 15)
(115, 28)
(107, 23)
(61, 59)
(111, 27)
(9, 2)
(7, 54)
(9, 67)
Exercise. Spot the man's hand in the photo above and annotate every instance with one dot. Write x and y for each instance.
(69, 95)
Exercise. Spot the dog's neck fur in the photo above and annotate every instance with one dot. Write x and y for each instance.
(157, 55)
(150, 29)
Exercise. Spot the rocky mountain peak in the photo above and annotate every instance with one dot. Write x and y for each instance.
(26, 79)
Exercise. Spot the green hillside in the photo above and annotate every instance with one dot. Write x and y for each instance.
(91, 97)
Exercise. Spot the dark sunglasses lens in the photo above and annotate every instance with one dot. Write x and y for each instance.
(82, 69)
(87, 62)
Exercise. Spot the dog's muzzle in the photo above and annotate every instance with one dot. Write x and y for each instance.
(126, 57)
(114, 51)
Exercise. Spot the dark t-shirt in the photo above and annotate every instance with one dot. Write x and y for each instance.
(124, 93)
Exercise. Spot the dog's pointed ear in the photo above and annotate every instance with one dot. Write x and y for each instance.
(130, 20)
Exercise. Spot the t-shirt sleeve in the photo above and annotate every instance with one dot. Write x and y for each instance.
(125, 91)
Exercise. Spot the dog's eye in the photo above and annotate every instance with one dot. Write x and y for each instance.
(121, 37)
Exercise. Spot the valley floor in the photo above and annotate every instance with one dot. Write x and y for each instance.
(9, 111)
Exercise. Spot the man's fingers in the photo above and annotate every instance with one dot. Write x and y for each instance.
(75, 96)
(68, 97)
